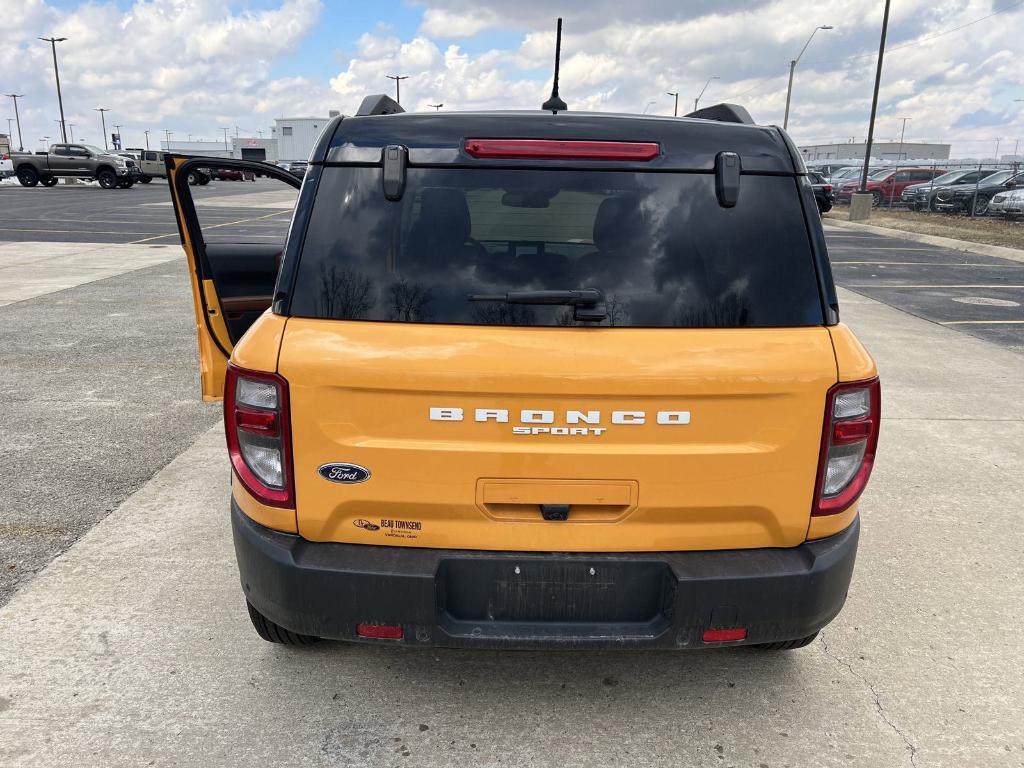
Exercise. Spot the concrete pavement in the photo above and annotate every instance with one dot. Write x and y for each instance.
(133, 648)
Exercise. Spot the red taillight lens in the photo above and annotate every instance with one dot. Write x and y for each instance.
(853, 412)
(731, 634)
(828, 187)
(257, 421)
(380, 631)
(543, 149)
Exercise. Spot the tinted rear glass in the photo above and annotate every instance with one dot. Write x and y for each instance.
(658, 246)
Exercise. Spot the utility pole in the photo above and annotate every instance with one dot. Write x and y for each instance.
(697, 100)
(398, 85)
(225, 137)
(56, 73)
(71, 131)
(903, 130)
(998, 139)
(871, 124)
(437, 107)
(648, 107)
(236, 131)
(675, 110)
(147, 139)
(167, 137)
(17, 118)
(103, 119)
(792, 68)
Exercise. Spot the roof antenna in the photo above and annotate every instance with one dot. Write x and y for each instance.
(555, 104)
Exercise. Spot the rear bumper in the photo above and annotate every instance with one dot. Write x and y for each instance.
(478, 599)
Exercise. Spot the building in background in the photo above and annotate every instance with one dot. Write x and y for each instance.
(882, 150)
(205, 148)
(251, 148)
(296, 136)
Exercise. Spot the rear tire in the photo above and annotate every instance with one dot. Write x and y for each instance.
(275, 633)
(49, 181)
(787, 645)
(28, 177)
(980, 206)
(107, 179)
(876, 199)
(145, 179)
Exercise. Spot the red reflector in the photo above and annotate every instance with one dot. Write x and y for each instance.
(379, 631)
(851, 431)
(724, 635)
(260, 422)
(526, 149)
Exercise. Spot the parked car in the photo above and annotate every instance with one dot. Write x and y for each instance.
(297, 168)
(848, 174)
(823, 193)
(888, 184)
(596, 396)
(233, 174)
(974, 199)
(919, 197)
(1008, 204)
(79, 161)
(827, 168)
(6, 166)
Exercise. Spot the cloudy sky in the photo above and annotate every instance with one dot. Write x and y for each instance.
(956, 68)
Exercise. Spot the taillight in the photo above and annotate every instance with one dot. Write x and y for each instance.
(257, 422)
(848, 442)
(545, 149)
(828, 187)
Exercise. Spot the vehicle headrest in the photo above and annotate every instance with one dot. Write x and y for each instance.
(616, 222)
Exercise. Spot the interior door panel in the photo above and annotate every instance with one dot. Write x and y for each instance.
(244, 274)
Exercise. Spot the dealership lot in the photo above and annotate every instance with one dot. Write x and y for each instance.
(133, 647)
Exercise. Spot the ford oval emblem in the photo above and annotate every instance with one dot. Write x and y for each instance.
(344, 473)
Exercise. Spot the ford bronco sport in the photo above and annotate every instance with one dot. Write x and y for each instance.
(524, 379)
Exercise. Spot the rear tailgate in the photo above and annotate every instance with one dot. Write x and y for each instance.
(736, 471)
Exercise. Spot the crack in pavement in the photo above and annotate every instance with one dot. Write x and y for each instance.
(874, 695)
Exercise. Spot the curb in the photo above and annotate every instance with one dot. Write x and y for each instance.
(999, 251)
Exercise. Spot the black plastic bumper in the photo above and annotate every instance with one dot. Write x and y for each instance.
(478, 599)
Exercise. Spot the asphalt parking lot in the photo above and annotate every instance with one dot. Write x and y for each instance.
(132, 647)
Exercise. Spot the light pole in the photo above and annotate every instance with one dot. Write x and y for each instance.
(71, 131)
(792, 67)
(17, 118)
(903, 130)
(437, 107)
(675, 110)
(697, 100)
(147, 139)
(398, 85)
(120, 139)
(56, 73)
(874, 109)
(167, 136)
(103, 120)
(225, 138)
(648, 107)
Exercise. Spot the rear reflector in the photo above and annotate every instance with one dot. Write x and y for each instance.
(380, 631)
(725, 635)
(544, 149)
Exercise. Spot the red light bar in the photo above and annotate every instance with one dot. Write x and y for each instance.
(380, 631)
(724, 635)
(545, 149)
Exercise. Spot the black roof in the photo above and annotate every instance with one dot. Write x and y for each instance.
(437, 138)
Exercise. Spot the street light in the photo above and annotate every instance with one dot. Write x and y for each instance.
(398, 85)
(103, 119)
(167, 136)
(792, 66)
(903, 130)
(437, 107)
(649, 103)
(71, 131)
(225, 138)
(17, 118)
(56, 73)
(697, 100)
(675, 110)
(147, 139)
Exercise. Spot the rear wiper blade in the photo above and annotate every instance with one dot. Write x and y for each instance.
(588, 303)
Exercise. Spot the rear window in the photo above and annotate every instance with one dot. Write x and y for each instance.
(658, 246)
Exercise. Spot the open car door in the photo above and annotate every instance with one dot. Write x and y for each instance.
(232, 271)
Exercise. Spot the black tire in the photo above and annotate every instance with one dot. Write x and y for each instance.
(28, 176)
(107, 179)
(787, 645)
(980, 205)
(275, 633)
(876, 199)
(145, 179)
(49, 181)
(193, 179)
(126, 183)
(203, 180)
